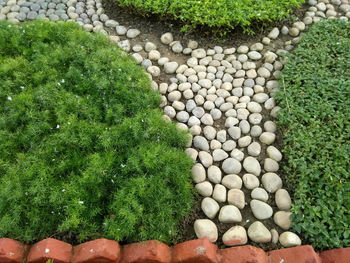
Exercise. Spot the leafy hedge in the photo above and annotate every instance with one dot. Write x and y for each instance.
(84, 151)
(315, 97)
(225, 14)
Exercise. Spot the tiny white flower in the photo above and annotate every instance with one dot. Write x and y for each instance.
(63, 190)
(62, 80)
(9, 98)
(21, 87)
(47, 251)
(81, 202)
(58, 126)
(122, 165)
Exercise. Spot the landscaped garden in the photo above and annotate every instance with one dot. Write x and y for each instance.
(244, 143)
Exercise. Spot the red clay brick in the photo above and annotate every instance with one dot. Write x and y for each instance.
(58, 251)
(195, 251)
(243, 254)
(12, 251)
(302, 254)
(97, 251)
(151, 251)
(340, 255)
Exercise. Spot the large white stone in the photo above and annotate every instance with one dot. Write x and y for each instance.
(289, 239)
(251, 165)
(271, 182)
(283, 200)
(198, 173)
(230, 214)
(231, 166)
(235, 236)
(210, 207)
(282, 219)
(204, 188)
(236, 197)
(214, 174)
(206, 228)
(260, 209)
(232, 181)
(257, 232)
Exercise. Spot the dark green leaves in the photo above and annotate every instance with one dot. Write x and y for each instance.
(317, 134)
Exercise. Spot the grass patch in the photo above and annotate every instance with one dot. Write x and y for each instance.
(84, 151)
(218, 15)
(315, 118)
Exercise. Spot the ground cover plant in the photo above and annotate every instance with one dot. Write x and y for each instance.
(84, 150)
(220, 15)
(315, 118)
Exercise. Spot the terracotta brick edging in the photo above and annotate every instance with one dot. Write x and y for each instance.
(193, 251)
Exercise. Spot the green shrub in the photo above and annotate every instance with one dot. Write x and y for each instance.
(216, 14)
(84, 151)
(315, 117)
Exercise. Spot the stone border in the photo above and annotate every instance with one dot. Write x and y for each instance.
(196, 251)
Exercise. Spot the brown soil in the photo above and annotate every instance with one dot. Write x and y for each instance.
(151, 30)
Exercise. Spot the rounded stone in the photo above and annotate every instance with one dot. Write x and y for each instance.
(210, 207)
(206, 228)
(201, 143)
(167, 38)
(257, 232)
(231, 166)
(260, 209)
(250, 181)
(289, 239)
(282, 219)
(198, 173)
(232, 181)
(205, 158)
(270, 165)
(207, 119)
(283, 200)
(236, 197)
(254, 149)
(132, 33)
(274, 153)
(230, 214)
(251, 165)
(271, 182)
(204, 189)
(220, 193)
(219, 155)
(274, 235)
(235, 236)
(198, 53)
(171, 67)
(267, 138)
(214, 174)
(237, 154)
(244, 141)
(259, 194)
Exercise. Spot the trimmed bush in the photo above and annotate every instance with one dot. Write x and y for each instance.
(315, 118)
(84, 151)
(216, 14)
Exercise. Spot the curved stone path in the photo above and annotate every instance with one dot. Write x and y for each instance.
(223, 96)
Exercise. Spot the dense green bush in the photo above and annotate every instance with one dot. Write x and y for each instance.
(216, 14)
(84, 151)
(315, 97)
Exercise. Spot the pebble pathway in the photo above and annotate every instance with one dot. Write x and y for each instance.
(223, 97)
